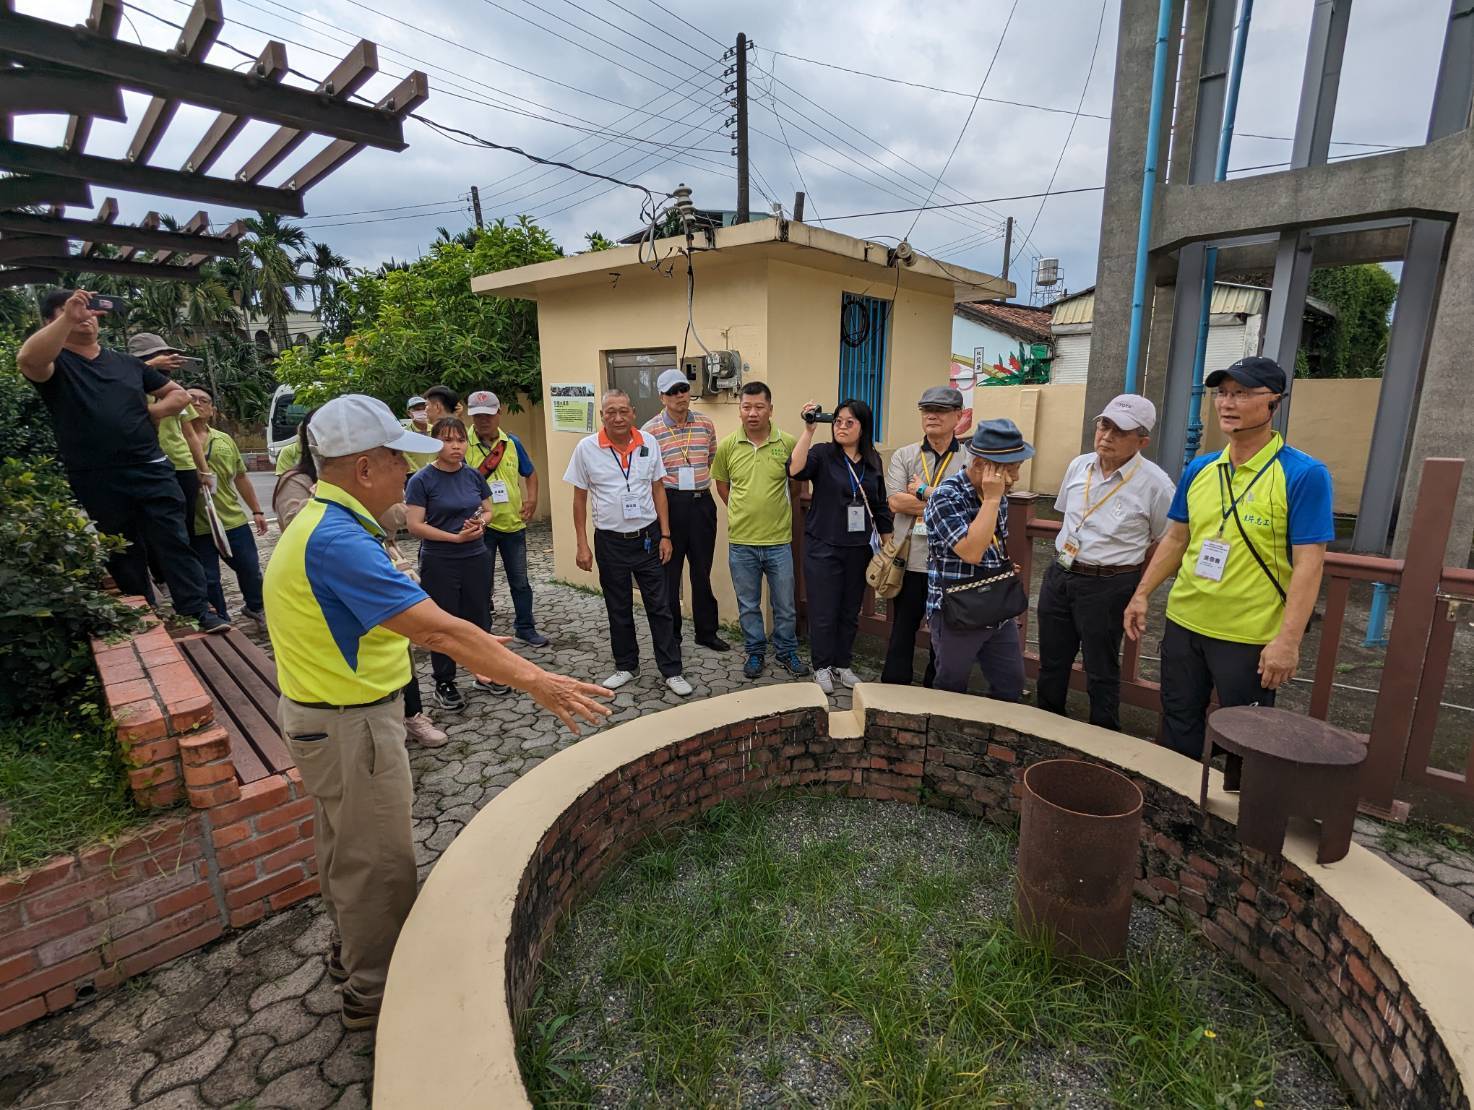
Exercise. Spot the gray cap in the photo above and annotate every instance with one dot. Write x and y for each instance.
(941, 396)
(146, 344)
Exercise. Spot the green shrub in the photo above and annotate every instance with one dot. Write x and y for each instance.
(51, 596)
(25, 425)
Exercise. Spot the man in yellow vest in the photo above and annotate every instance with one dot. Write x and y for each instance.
(507, 467)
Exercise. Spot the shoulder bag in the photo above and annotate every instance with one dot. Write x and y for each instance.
(984, 602)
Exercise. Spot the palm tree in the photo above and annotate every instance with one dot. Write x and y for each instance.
(465, 238)
(268, 250)
(326, 266)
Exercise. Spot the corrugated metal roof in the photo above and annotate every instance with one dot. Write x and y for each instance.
(1227, 298)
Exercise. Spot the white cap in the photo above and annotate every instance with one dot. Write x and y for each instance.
(353, 423)
(483, 403)
(1131, 412)
(670, 379)
(415, 402)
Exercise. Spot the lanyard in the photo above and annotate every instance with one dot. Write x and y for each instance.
(624, 467)
(1089, 476)
(943, 461)
(1234, 504)
(855, 479)
(685, 437)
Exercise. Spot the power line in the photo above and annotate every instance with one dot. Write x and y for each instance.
(973, 108)
(967, 203)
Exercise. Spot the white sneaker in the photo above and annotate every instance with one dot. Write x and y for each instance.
(848, 677)
(618, 679)
(679, 686)
(824, 676)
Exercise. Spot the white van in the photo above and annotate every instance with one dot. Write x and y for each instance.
(282, 420)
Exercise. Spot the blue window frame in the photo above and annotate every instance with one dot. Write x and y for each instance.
(864, 328)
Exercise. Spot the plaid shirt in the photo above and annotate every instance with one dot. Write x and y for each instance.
(950, 511)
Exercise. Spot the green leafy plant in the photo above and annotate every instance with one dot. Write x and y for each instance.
(51, 597)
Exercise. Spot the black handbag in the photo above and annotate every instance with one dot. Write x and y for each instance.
(984, 602)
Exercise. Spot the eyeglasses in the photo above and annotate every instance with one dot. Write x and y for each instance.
(1237, 395)
(842, 423)
(677, 389)
(1112, 429)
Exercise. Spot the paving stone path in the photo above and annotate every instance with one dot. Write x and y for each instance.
(252, 1021)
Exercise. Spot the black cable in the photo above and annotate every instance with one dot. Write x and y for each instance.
(965, 203)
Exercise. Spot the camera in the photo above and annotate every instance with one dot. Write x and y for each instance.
(818, 416)
(106, 302)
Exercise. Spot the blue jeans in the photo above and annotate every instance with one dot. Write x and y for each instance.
(244, 560)
(748, 564)
(513, 548)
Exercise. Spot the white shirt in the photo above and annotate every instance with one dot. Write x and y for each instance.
(596, 468)
(1130, 516)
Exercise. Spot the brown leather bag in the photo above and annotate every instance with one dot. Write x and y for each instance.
(887, 570)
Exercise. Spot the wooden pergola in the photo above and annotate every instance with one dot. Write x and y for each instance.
(49, 68)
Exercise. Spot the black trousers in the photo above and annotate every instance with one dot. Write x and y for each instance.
(459, 585)
(693, 539)
(1080, 614)
(907, 611)
(145, 505)
(622, 562)
(1193, 667)
(834, 579)
(412, 703)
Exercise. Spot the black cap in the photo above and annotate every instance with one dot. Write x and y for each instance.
(1254, 372)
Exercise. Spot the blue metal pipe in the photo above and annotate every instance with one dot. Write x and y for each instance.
(1194, 437)
(1148, 193)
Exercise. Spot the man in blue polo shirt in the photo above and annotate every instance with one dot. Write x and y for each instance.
(1247, 542)
(340, 619)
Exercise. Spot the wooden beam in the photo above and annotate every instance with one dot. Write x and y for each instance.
(408, 95)
(71, 263)
(26, 189)
(106, 18)
(107, 214)
(210, 86)
(201, 30)
(103, 230)
(361, 63)
(30, 246)
(9, 279)
(270, 66)
(191, 230)
(25, 91)
(28, 158)
(150, 222)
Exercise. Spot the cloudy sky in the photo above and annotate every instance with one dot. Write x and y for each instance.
(544, 74)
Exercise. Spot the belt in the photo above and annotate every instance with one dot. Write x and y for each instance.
(1092, 570)
(671, 491)
(340, 708)
(637, 535)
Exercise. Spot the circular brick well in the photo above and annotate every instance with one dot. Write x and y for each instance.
(1380, 971)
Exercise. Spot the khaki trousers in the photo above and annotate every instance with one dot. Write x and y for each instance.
(354, 765)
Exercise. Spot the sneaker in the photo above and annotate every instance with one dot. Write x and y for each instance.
(447, 697)
(534, 639)
(714, 643)
(679, 686)
(618, 679)
(848, 677)
(419, 729)
(336, 971)
(753, 668)
(358, 1015)
(824, 678)
(257, 615)
(794, 665)
(492, 687)
(214, 623)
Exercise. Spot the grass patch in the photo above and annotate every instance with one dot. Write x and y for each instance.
(1438, 840)
(62, 779)
(848, 954)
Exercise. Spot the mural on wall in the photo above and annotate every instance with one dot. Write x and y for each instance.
(1029, 365)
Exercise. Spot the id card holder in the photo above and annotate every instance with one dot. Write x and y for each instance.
(1069, 550)
(1213, 559)
(686, 477)
(633, 506)
(499, 495)
(918, 530)
(856, 518)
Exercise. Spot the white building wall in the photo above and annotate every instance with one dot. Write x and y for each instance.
(968, 335)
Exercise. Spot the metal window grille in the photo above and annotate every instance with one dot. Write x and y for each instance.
(864, 328)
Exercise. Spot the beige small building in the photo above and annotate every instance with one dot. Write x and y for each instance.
(815, 314)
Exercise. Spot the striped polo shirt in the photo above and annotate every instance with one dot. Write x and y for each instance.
(691, 444)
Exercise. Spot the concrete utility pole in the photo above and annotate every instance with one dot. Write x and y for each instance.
(1007, 246)
(476, 205)
(741, 136)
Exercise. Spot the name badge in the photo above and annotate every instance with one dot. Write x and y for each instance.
(1069, 549)
(918, 530)
(1213, 560)
(634, 506)
(686, 477)
(857, 518)
(499, 494)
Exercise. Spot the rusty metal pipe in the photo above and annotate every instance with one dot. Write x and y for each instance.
(1078, 844)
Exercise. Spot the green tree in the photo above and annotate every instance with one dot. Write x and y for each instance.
(422, 324)
(1354, 344)
(271, 247)
(598, 241)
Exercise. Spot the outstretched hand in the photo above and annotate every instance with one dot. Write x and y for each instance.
(570, 700)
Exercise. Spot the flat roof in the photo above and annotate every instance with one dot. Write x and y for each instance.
(787, 240)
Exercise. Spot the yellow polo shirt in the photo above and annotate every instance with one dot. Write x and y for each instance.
(759, 513)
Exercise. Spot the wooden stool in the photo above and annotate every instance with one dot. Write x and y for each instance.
(1282, 763)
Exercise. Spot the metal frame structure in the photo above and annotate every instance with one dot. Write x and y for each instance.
(46, 67)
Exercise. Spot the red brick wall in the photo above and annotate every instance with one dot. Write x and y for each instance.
(1268, 915)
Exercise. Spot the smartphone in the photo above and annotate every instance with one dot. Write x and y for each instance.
(106, 302)
(195, 364)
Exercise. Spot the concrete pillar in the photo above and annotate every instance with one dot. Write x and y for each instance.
(1445, 421)
(1121, 210)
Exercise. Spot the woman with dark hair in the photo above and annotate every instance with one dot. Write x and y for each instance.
(848, 520)
(446, 505)
(294, 487)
